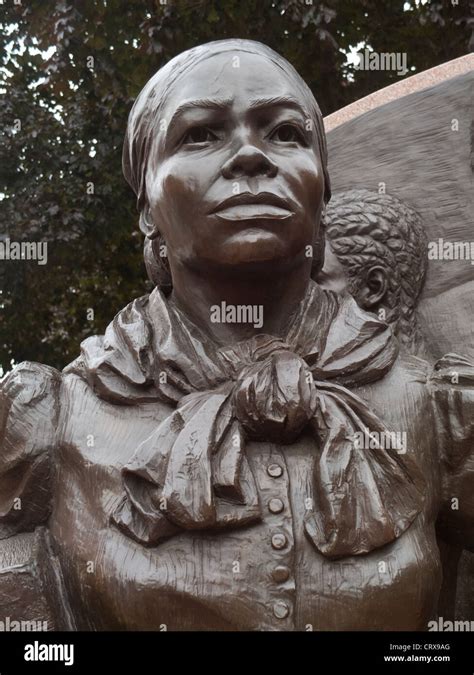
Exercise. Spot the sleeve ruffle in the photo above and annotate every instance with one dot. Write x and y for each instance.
(29, 406)
(453, 392)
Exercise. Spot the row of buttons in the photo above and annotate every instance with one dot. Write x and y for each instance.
(275, 505)
(281, 573)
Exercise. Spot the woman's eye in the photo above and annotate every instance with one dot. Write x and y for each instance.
(198, 135)
(287, 133)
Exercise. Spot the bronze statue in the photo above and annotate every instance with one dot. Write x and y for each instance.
(242, 449)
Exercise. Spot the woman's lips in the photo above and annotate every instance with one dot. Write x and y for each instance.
(253, 212)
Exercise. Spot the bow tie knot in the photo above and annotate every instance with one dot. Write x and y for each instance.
(275, 398)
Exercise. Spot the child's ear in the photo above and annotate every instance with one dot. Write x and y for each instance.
(374, 288)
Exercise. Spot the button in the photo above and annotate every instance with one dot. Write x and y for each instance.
(280, 574)
(279, 541)
(274, 470)
(281, 610)
(276, 505)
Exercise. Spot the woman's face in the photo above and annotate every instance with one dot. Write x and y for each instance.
(236, 176)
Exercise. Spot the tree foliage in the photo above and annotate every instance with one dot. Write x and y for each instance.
(70, 72)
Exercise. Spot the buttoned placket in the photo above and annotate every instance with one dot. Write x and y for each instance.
(271, 473)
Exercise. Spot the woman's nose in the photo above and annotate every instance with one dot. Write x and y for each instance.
(249, 161)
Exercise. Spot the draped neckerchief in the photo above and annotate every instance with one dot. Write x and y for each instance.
(192, 472)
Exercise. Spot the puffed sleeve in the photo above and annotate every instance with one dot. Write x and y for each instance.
(29, 405)
(452, 383)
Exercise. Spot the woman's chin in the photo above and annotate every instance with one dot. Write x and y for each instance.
(253, 246)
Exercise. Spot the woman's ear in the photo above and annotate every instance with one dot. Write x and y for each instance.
(319, 247)
(147, 226)
(373, 289)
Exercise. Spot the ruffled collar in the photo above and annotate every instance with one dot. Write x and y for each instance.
(192, 472)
